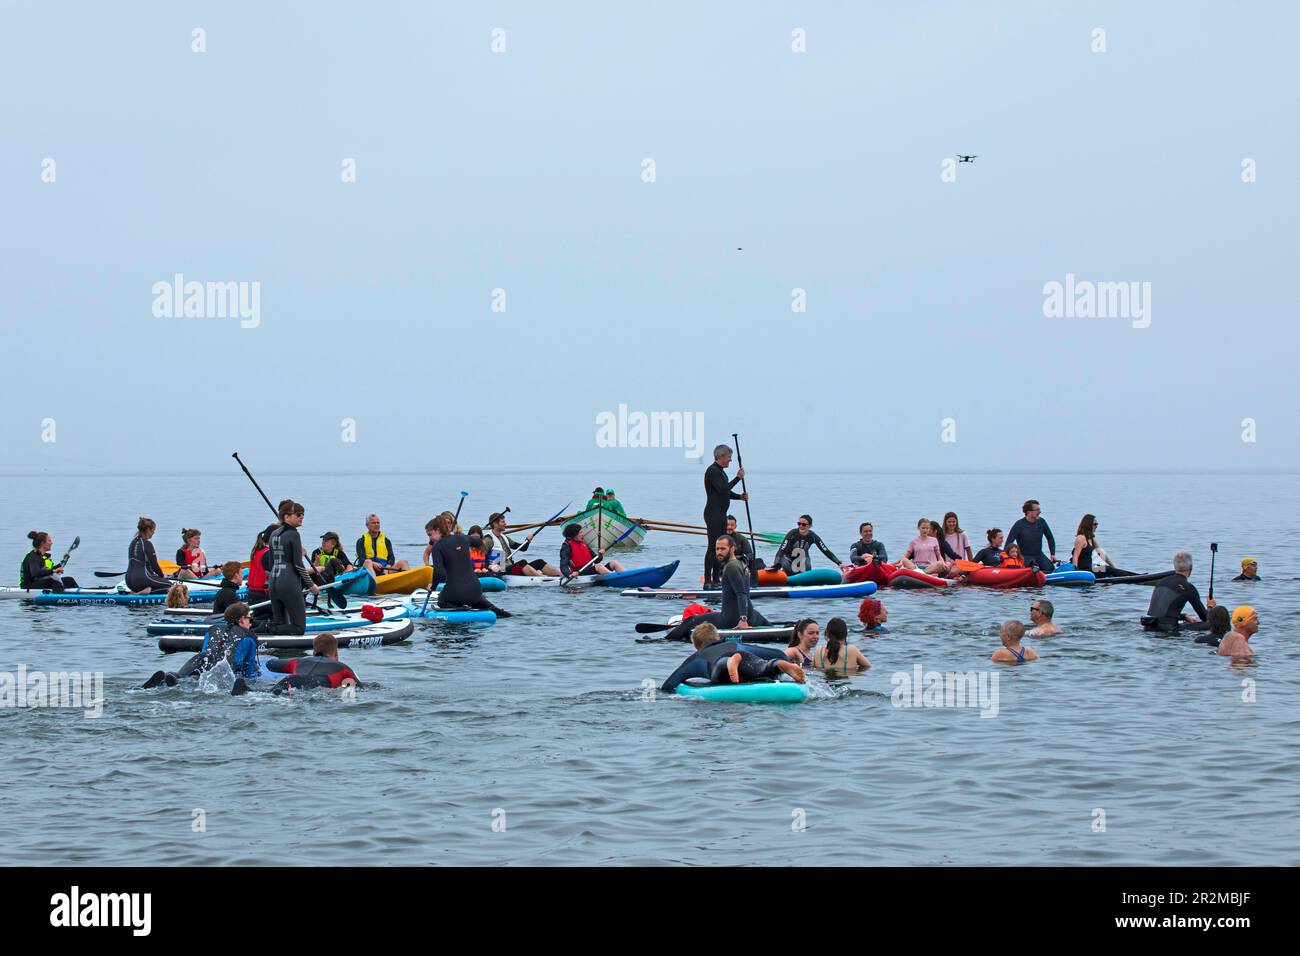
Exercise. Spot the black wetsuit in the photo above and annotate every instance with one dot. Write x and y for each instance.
(309, 672)
(744, 551)
(795, 554)
(227, 595)
(1210, 638)
(1029, 535)
(990, 557)
(749, 670)
(1168, 598)
(735, 605)
(860, 549)
(717, 500)
(1242, 577)
(142, 570)
(452, 563)
(702, 662)
(287, 579)
(1085, 564)
(36, 575)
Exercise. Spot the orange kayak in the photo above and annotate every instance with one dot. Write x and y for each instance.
(404, 582)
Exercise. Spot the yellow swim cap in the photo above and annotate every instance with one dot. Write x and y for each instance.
(1248, 560)
(1242, 614)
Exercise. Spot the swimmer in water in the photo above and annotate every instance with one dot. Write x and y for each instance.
(1245, 622)
(807, 633)
(872, 614)
(839, 658)
(1011, 652)
(1040, 615)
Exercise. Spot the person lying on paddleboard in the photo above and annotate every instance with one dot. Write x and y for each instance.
(330, 560)
(803, 641)
(1040, 615)
(1028, 532)
(375, 552)
(1245, 622)
(1249, 570)
(575, 555)
(512, 552)
(322, 669)
(38, 571)
(191, 562)
(452, 564)
(872, 614)
(867, 549)
(923, 552)
(230, 640)
(1011, 652)
(1170, 595)
(288, 574)
(1220, 623)
(709, 649)
(1088, 555)
(991, 556)
(737, 611)
(795, 554)
(837, 657)
(143, 575)
(228, 593)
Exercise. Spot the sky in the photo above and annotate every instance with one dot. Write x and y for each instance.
(500, 154)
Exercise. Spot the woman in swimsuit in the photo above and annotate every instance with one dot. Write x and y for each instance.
(805, 637)
(872, 614)
(839, 658)
(1011, 652)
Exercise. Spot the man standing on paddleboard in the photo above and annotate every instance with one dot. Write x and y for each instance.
(718, 496)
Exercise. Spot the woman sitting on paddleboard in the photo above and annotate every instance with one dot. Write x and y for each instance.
(39, 572)
(143, 575)
(1085, 546)
(452, 563)
(191, 562)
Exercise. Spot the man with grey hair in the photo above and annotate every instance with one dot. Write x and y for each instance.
(1170, 595)
(375, 552)
(1040, 614)
(718, 496)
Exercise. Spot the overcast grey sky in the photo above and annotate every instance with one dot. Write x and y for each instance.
(522, 170)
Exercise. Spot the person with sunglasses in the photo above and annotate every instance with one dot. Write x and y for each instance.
(1088, 555)
(288, 574)
(795, 554)
(1040, 615)
(1028, 532)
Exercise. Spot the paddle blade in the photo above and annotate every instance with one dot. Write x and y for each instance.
(649, 628)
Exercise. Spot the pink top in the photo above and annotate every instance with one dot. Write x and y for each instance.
(924, 550)
(958, 542)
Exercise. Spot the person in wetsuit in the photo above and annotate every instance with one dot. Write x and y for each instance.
(1220, 623)
(143, 575)
(795, 554)
(452, 563)
(1170, 595)
(1028, 532)
(191, 562)
(1085, 547)
(737, 611)
(287, 575)
(322, 669)
(991, 556)
(1249, 570)
(228, 592)
(711, 651)
(744, 548)
(229, 640)
(717, 498)
(866, 549)
(330, 560)
(38, 571)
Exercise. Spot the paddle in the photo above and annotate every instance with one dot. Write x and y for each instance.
(740, 462)
(1214, 549)
(455, 520)
(76, 543)
(235, 455)
(967, 566)
(649, 628)
(564, 581)
(433, 585)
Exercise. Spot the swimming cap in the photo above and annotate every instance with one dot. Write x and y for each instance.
(1242, 614)
(1248, 560)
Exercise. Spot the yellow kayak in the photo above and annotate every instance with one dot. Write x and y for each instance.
(404, 582)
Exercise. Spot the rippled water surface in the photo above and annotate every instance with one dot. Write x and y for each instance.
(539, 723)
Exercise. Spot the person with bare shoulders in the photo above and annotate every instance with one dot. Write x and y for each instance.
(1040, 615)
(803, 639)
(1011, 652)
(1245, 622)
(839, 658)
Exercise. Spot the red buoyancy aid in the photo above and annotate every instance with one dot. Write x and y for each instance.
(478, 557)
(580, 553)
(193, 556)
(257, 573)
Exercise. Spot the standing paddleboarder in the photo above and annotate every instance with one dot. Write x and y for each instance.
(288, 575)
(718, 497)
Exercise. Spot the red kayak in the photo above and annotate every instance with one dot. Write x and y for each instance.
(888, 575)
(1006, 578)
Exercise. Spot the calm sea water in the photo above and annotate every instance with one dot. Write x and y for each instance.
(538, 724)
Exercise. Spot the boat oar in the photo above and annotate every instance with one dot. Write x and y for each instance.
(1214, 549)
(564, 581)
(740, 462)
(235, 455)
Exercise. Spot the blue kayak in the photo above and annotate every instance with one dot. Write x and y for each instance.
(639, 577)
(860, 589)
